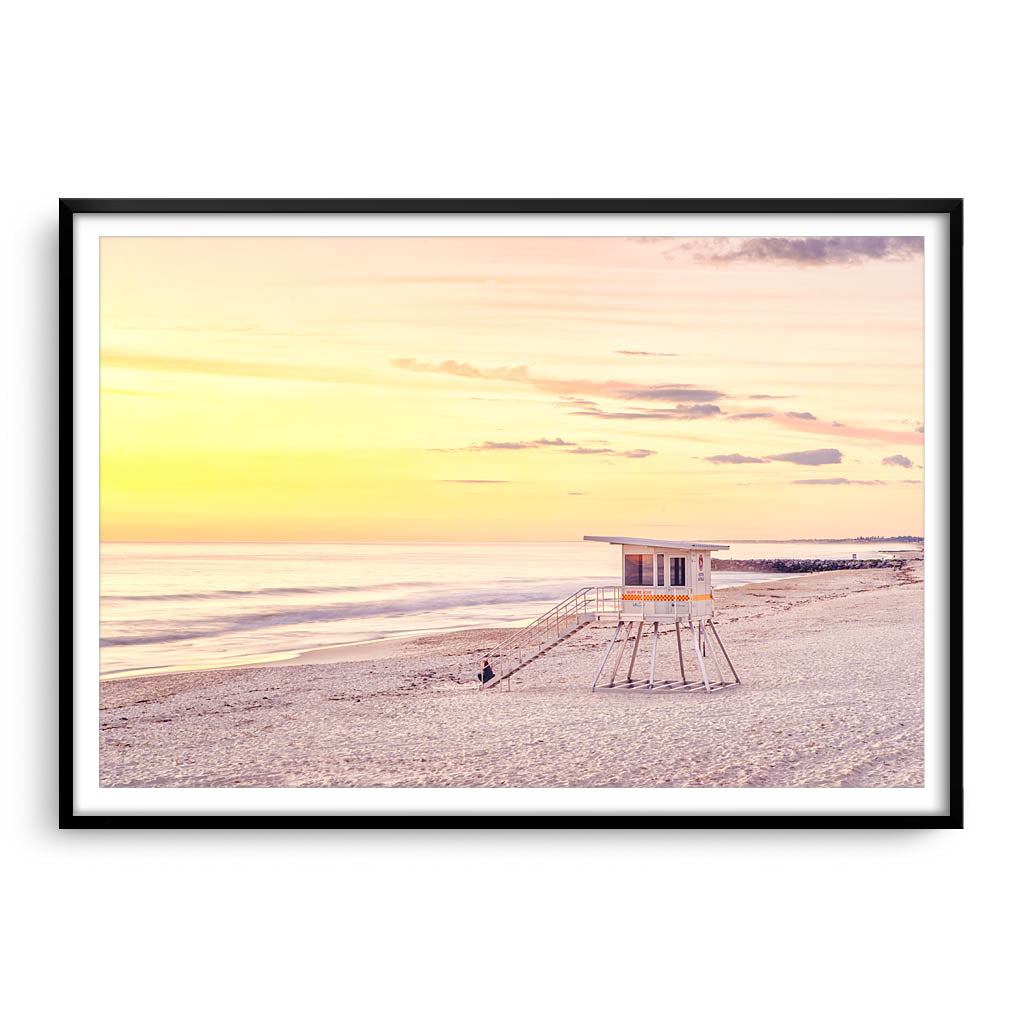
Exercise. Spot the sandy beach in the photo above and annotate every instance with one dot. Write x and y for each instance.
(832, 669)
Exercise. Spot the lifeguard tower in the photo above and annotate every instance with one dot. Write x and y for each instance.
(666, 588)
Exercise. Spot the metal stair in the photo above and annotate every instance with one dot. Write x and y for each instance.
(672, 607)
(552, 628)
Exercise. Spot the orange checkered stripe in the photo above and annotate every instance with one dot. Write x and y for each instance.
(665, 597)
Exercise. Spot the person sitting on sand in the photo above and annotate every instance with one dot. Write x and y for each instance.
(488, 673)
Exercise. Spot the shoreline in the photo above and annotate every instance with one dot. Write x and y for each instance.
(832, 695)
(318, 654)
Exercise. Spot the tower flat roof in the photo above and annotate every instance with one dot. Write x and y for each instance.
(647, 542)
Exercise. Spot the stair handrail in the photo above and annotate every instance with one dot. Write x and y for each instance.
(511, 641)
(594, 598)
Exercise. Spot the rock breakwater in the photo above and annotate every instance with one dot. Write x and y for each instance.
(803, 564)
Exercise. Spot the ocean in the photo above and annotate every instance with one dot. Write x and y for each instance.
(167, 606)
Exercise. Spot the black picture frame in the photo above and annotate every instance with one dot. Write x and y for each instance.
(952, 209)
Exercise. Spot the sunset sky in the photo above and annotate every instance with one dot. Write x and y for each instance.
(510, 388)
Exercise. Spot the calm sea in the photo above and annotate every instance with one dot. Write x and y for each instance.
(172, 606)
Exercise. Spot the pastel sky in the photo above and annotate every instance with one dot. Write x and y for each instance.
(510, 388)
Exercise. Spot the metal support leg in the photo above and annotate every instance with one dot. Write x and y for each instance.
(732, 667)
(700, 660)
(679, 646)
(636, 647)
(606, 654)
(622, 651)
(718, 665)
(654, 654)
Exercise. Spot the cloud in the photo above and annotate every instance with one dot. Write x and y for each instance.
(633, 453)
(751, 416)
(636, 352)
(568, 389)
(817, 457)
(808, 251)
(920, 429)
(640, 414)
(695, 412)
(734, 459)
(836, 423)
(669, 393)
(911, 481)
(570, 447)
(835, 480)
(897, 460)
(770, 396)
(819, 427)
(456, 369)
(575, 493)
(801, 416)
(476, 481)
(541, 442)
(680, 412)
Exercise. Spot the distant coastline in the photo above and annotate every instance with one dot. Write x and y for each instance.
(829, 540)
(771, 565)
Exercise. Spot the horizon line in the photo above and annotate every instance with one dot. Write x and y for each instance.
(907, 537)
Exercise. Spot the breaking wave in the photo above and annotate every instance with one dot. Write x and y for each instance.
(138, 632)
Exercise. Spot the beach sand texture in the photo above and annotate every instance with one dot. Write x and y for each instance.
(832, 666)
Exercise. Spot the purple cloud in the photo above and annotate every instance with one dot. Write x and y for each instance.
(816, 457)
(734, 459)
(810, 251)
(835, 480)
(680, 412)
(897, 460)
(801, 415)
(669, 393)
(572, 447)
(541, 442)
(696, 412)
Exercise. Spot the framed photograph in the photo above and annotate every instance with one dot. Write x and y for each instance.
(512, 513)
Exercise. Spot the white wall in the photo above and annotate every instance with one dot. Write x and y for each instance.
(385, 99)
